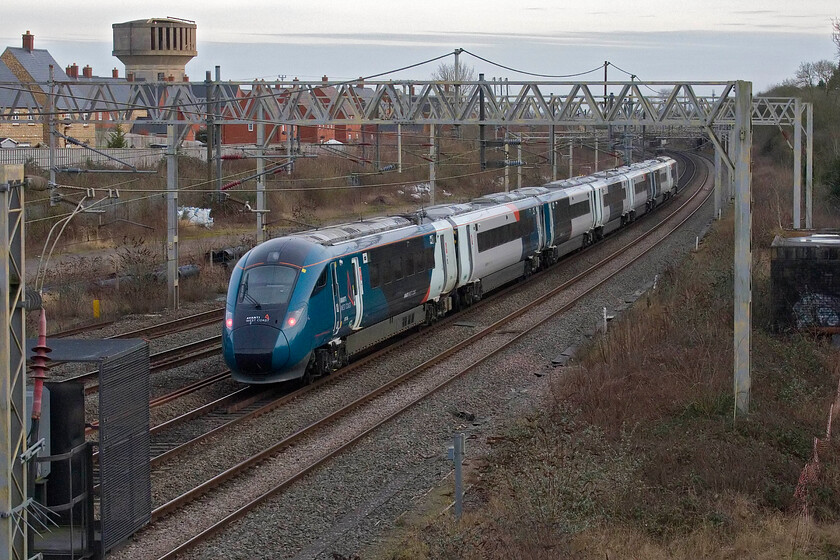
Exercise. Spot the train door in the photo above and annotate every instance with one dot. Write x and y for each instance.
(596, 201)
(441, 248)
(465, 260)
(346, 294)
(357, 289)
(538, 219)
(655, 187)
(336, 290)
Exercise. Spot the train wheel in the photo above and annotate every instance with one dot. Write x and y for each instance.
(310, 373)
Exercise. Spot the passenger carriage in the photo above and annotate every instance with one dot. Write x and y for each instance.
(299, 306)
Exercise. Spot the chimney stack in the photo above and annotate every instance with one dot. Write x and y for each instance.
(87, 71)
(324, 79)
(115, 73)
(129, 76)
(28, 41)
(186, 78)
(361, 82)
(72, 71)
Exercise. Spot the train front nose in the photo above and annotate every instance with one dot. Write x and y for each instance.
(259, 349)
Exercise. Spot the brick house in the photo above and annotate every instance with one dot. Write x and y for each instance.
(29, 65)
(17, 125)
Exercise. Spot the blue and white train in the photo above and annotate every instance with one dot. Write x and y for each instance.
(299, 306)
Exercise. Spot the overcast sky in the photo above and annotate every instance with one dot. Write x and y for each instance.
(762, 41)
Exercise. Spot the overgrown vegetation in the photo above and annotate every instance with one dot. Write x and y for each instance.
(636, 453)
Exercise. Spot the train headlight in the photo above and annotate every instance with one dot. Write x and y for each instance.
(294, 317)
(229, 320)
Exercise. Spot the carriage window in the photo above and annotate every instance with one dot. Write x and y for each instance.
(387, 271)
(420, 260)
(375, 276)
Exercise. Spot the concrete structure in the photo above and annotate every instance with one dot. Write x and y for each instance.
(155, 50)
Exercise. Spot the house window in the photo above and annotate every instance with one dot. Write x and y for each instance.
(15, 116)
(250, 127)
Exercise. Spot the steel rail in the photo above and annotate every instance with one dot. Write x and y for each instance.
(155, 331)
(164, 360)
(268, 407)
(167, 508)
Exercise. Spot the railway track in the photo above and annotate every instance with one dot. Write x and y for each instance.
(163, 360)
(154, 331)
(425, 379)
(685, 178)
(228, 411)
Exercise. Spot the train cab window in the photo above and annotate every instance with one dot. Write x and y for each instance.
(267, 285)
(321, 283)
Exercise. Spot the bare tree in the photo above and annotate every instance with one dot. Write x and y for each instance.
(824, 70)
(446, 73)
(806, 75)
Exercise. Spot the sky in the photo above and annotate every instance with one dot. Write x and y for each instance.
(709, 40)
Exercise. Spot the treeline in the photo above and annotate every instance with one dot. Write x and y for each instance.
(817, 83)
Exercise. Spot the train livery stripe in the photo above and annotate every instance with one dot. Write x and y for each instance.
(513, 209)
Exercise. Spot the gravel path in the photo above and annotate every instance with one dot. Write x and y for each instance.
(382, 476)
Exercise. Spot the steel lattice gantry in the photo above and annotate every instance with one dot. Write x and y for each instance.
(725, 110)
(691, 104)
(13, 480)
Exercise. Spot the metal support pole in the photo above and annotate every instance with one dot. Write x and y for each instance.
(399, 148)
(482, 152)
(290, 133)
(13, 477)
(217, 136)
(734, 146)
(519, 165)
(457, 103)
(743, 253)
(376, 153)
(432, 164)
(456, 455)
(809, 167)
(507, 167)
(172, 216)
(797, 164)
(571, 156)
(718, 183)
(552, 151)
(211, 143)
(261, 178)
(51, 131)
(596, 154)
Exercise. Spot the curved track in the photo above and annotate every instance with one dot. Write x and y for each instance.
(351, 422)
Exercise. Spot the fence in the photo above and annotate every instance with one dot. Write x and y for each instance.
(75, 157)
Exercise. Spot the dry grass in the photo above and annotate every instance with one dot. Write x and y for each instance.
(637, 453)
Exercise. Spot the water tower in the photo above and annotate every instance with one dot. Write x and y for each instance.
(156, 49)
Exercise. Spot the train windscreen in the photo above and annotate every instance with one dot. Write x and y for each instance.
(267, 285)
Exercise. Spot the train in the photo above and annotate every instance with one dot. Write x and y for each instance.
(300, 306)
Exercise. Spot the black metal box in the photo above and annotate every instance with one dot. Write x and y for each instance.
(805, 282)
